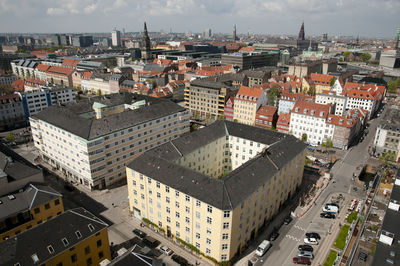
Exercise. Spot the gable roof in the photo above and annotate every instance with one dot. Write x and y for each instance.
(321, 78)
(312, 109)
(64, 71)
(42, 67)
(253, 94)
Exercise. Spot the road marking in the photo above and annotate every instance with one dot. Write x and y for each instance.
(300, 228)
(293, 238)
(348, 192)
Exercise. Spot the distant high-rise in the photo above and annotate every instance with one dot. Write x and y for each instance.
(324, 37)
(207, 34)
(146, 45)
(397, 38)
(234, 33)
(116, 38)
(301, 33)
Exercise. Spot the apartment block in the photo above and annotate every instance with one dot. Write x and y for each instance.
(247, 102)
(92, 140)
(24, 210)
(387, 136)
(338, 101)
(7, 79)
(75, 237)
(217, 187)
(11, 112)
(250, 60)
(23, 68)
(321, 81)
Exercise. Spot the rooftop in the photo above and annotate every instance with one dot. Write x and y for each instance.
(230, 190)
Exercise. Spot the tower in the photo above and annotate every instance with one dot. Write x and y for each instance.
(397, 39)
(234, 33)
(146, 45)
(116, 38)
(301, 33)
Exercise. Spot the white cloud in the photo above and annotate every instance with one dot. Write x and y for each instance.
(55, 11)
(90, 9)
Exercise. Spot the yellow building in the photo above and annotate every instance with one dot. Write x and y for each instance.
(215, 188)
(26, 209)
(247, 102)
(75, 237)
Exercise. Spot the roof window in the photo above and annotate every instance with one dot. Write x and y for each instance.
(11, 197)
(65, 242)
(91, 227)
(35, 258)
(50, 249)
(78, 234)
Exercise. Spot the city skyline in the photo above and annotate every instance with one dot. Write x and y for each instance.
(254, 16)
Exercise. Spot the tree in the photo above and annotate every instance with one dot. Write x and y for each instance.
(346, 54)
(10, 137)
(332, 81)
(365, 57)
(311, 91)
(328, 143)
(99, 92)
(304, 137)
(341, 59)
(393, 85)
(274, 95)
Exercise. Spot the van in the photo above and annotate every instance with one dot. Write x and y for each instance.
(330, 208)
(263, 247)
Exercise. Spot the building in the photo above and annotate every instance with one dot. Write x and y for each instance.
(247, 102)
(250, 60)
(391, 58)
(16, 171)
(147, 56)
(266, 117)
(287, 101)
(7, 79)
(215, 188)
(229, 108)
(256, 77)
(28, 208)
(92, 140)
(338, 101)
(283, 123)
(322, 82)
(75, 237)
(234, 37)
(207, 97)
(23, 68)
(388, 244)
(387, 136)
(60, 75)
(308, 122)
(362, 99)
(82, 41)
(116, 38)
(11, 112)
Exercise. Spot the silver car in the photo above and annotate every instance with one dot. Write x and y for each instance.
(305, 254)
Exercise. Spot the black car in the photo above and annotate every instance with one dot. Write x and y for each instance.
(313, 235)
(287, 220)
(327, 215)
(139, 233)
(362, 256)
(69, 187)
(306, 248)
(181, 261)
(273, 236)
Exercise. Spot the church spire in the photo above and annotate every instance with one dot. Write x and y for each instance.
(301, 33)
(146, 45)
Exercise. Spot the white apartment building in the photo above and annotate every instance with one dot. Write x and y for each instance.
(92, 140)
(310, 119)
(23, 67)
(338, 101)
(362, 99)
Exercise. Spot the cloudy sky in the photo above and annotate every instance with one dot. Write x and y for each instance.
(377, 18)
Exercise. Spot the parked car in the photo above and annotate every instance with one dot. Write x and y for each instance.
(330, 208)
(302, 260)
(313, 235)
(327, 215)
(274, 235)
(69, 187)
(362, 256)
(166, 250)
(151, 242)
(310, 241)
(333, 204)
(180, 260)
(262, 248)
(305, 248)
(287, 220)
(305, 254)
(139, 233)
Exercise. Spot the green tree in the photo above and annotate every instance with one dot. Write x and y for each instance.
(365, 57)
(332, 81)
(328, 143)
(99, 92)
(304, 137)
(273, 95)
(10, 137)
(393, 85)
(311, 91)
(346, 54)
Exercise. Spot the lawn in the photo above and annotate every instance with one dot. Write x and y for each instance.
(331, 258)
(352, 216)
(341, 239)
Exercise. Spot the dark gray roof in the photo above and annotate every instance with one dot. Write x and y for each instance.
(255, 73)
(127, 83)
(152, 67)
(19, 249)
(210, 83)
(15, 166)
(33, 195)
(391, 120)
(229, 191)
(68, 117)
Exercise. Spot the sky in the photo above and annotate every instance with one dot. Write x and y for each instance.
(367, 18)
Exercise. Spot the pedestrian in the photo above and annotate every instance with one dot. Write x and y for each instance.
(113, 204)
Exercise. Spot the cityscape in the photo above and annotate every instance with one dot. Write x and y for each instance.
(178, 141)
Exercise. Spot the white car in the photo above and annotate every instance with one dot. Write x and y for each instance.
(166, 250)
(330, 208)
(311, 241)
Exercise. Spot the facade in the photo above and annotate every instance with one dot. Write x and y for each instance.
(92, 140)
(266, 117)
(321, 81)
(75, 237)
(247, 102)
(11, 112)
(287, 101)
(216, 188)
(310, 119)
(305, 69)
(29, 208)
(337, 100)
(7, 79)
(116, 38)
(206, 97)
(362, 99)
(256, 77)
(60, 75)
(250, 60)
(283, 123)
(82, 41)
(229, 107)
(387, 136)
(23, 68)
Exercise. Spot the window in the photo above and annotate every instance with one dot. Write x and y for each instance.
(187, 198)
(224, 257)
(176, 204)
(168, 210)
(209, 220)
(99, 243)
(177, 224)
(208, 241)
(50, 249)
(224, 236)
(187, 230)
(225, 226)
(149, 180)
(197, 235)
(227, 214)
(101, 254)
(37, 210)
(158, 195)
(47, 206)
(158, 184)
(167, 189)
(89, 261)
(224, 246)
(177, 194)
(209, 231)
(197, 214)
(167, 199)
(78, 234)
(74, 258)
(187, 219)
(168, 220)
(198, 204)
(87, 250)
(209, 209)
(57, 202)
(187, 209)
(177, 214)
(65, 242)
(208, 251)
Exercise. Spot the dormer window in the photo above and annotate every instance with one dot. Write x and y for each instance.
(329, 119)
(305, 110)
(91, 227)
(321, 113)
(65, 242)
(78, 234)
(297, 109)
(50, 249)
(312, 112)
(340, 121)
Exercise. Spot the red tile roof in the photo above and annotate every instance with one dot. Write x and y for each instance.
(70, 62)
(349, 119)
(35, 81)
(312, 109)
(266, 110)
(253, 94)
(321, 79)
(87, 75)
(42, 67)
(18, 84)
(58, 70)
(360, 94)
